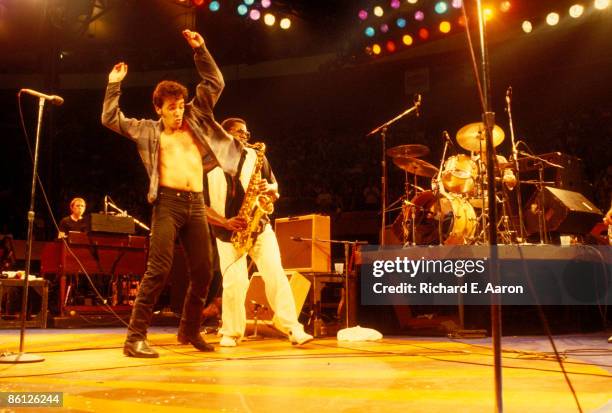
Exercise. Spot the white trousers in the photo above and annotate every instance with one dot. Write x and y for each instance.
(266, 254)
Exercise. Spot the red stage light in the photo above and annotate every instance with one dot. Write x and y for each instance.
(391, 46)
(424, 33)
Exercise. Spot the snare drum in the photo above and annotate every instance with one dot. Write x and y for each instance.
(459, 174)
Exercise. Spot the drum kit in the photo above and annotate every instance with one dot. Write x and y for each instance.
(454, 210)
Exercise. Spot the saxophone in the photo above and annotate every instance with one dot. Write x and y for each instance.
(254, 206)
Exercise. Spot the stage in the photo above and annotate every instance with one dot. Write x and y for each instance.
(397, 374)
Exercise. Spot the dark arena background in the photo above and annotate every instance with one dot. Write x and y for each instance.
(312, 78)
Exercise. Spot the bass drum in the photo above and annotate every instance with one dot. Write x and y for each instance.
(458, 219)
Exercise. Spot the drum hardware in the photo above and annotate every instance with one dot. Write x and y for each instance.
(383, 136)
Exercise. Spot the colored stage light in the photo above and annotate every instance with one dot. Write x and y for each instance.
(248, 2)
(601, 4)
(391, 46)
(461, 21)
(505, 6)
(269, 19)
(413, 1)
(285, 23)
(424, 33)
(197, 2)
(527, 26)
(445, 27)
(456, 4)
(401, 22)
(395, 4)
(376, 49)
(407, 39)
(266, 3)
(362, 14)
(552, 19)
(214, 6)
(378, 11)
(419, 16)
(254, 14)
(441, 7)
(488, 13)
(384, 28)
(369, 31)
(242, 10)
(576, 10)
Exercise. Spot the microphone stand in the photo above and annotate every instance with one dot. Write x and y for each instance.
(383, 180)
(22, 357)
(347, 246)
(519, 196)
(540, 186)
(109, 203)
(440, 189)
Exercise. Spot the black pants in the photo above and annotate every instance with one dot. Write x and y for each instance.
(175, 214)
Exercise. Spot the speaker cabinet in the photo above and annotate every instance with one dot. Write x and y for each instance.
(306, 255)
(566, 212)
(256, 301)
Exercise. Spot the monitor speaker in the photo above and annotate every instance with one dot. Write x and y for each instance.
(566, 212)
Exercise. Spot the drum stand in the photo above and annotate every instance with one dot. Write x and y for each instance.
(504, 230)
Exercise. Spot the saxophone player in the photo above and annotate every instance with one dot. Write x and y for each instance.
(226, 196)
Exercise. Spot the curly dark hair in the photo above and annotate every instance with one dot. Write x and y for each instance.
(168, 89)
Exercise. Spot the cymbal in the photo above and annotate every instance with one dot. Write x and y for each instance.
(416, 166)
(408, 151)
(471, 137)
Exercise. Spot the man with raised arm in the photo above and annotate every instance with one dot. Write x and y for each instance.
(174, 150)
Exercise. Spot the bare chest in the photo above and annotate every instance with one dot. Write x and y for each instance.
(180, 161)
(180, 144)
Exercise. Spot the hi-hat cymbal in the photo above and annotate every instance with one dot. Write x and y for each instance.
(472, 137)
(408, 151)
(416, 166)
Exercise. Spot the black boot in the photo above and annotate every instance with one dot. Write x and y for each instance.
(195, 340)
(139, 348)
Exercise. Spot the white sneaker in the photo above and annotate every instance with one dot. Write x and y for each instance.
(299, 337)
(227, 341)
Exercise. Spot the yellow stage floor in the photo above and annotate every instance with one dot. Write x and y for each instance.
(394, 375)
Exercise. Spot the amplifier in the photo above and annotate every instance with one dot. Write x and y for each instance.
(115, 224)
(300, 254)
(256, 300)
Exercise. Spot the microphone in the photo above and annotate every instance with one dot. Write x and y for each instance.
(508, 94)
(447, 138)
(56, 100)
(417, 104)
(297, 239)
